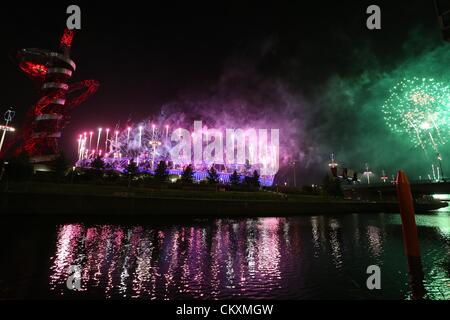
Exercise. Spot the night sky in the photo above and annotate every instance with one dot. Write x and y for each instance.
(161, 53)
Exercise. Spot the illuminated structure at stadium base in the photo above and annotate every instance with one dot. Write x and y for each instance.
(51, 71)
(243, 150)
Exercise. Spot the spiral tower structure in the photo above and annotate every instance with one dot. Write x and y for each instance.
(45, 120)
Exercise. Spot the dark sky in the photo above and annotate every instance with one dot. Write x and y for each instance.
(148, 54)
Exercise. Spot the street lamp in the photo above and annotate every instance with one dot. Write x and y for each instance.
(2, 172)
(9, 115)
(384, 177)
(368, 173)
(333, 166)
(73, 172)
(154, 143)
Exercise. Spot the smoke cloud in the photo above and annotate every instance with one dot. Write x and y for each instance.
(342, 116)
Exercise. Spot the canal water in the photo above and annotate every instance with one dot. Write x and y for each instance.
(308, 257)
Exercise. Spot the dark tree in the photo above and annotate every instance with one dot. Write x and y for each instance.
(161, 172)
(132, 168)
(255, 179)
(235, 178)
(188, 175)
(98, 163)
(213, 176)
(248, 181)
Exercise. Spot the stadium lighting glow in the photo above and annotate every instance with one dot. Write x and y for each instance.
(242, 149)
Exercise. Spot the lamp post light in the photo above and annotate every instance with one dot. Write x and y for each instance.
(384, 177)
(4, 169)
(333, 166)
(9, 115)
(2, 172)
(154, 143)
(73, 172)
(368, 173)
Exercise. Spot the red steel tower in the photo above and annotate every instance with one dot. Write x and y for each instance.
(45, 120)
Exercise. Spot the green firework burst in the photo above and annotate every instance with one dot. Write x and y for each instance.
(419, 109)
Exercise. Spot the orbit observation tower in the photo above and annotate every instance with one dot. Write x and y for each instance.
(45, 120)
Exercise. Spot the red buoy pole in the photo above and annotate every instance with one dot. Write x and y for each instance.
(405, 200)
(410, 235)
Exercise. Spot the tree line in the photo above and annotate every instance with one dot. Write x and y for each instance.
(161, 174)
(19, 168)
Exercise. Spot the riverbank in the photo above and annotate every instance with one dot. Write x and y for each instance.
(69, 199)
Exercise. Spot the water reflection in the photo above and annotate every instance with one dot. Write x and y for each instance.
(194, 261)
(310, 257)
(375, 242)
